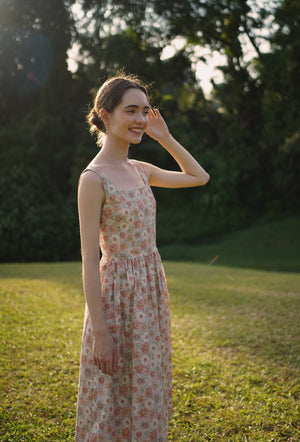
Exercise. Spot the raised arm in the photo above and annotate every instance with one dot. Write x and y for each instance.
(192, 173)
(91, 196)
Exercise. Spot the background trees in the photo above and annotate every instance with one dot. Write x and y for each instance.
(246, 133)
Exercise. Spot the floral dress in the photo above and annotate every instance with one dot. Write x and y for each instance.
(135, 403)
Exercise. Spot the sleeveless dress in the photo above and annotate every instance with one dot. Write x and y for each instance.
(135, 404)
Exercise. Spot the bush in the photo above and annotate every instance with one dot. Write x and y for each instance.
(33, 225)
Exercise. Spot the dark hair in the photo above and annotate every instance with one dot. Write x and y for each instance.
(108, 97)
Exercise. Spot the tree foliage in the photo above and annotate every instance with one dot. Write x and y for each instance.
(37, 131)
(280, 142)
(246, 134)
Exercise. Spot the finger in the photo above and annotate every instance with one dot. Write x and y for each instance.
(115, 361)
(103, 367)
(97, 362)
(109, 367)
(151, 113)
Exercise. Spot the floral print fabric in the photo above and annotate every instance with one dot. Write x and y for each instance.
(136, 403)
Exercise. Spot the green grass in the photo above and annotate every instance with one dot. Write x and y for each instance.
(41, 325)
(268, 246)
(235, 352)
(235, 341)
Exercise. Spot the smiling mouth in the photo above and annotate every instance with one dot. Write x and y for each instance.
(136, 131)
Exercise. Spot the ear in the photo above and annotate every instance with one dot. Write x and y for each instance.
(104, 115)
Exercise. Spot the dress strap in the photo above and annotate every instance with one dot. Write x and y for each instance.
(100, 175)
(141, 171)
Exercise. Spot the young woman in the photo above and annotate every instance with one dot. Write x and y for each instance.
(125, 391)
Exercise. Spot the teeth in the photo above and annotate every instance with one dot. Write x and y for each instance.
(136, 131)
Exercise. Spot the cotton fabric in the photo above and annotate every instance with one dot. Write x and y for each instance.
(135, 404)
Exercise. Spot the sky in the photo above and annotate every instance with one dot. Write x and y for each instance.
(205, 71)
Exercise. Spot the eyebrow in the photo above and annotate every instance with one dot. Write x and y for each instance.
(136, 106)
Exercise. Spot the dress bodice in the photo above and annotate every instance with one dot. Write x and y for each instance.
(128, 219)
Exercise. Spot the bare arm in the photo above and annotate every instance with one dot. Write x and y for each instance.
(192, 173)
(91, 196)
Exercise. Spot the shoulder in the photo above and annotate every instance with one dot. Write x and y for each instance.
(90, 177)
(90, 186)
(147, 168)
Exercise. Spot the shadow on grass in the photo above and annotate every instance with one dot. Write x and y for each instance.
(273, 247)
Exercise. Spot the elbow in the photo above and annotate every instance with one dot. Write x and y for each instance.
(205, 179)
(90, 261)
(90, 269)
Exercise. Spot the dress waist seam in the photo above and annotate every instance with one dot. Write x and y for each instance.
(122, 258)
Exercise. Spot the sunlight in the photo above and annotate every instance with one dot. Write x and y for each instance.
(205, 62)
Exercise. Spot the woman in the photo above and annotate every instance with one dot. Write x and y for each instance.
(125, 391)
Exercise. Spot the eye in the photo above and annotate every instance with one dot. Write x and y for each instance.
(146, 112)
(131, 111)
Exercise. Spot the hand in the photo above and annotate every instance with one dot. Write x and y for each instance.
(157, 127)
(105, 354)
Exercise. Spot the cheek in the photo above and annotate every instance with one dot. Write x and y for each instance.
(128, 119)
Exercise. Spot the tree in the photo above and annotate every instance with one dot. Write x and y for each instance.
(281, 137)
(38, 130)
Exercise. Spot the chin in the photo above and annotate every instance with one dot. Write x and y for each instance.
(136, 140)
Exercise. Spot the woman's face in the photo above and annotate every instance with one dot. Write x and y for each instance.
(129, 119)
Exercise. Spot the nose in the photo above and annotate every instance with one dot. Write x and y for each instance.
(141, 117)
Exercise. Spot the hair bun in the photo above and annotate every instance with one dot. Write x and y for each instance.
(96, 120)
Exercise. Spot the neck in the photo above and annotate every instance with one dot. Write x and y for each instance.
(114, 152)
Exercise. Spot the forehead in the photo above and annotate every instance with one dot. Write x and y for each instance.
(134, 97)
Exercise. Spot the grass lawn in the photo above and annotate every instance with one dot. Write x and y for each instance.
(235, 352)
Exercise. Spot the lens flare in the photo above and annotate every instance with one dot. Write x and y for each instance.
(26, 61)
(31, 76)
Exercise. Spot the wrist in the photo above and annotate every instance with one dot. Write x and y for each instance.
(165, 140)
(100, 333)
